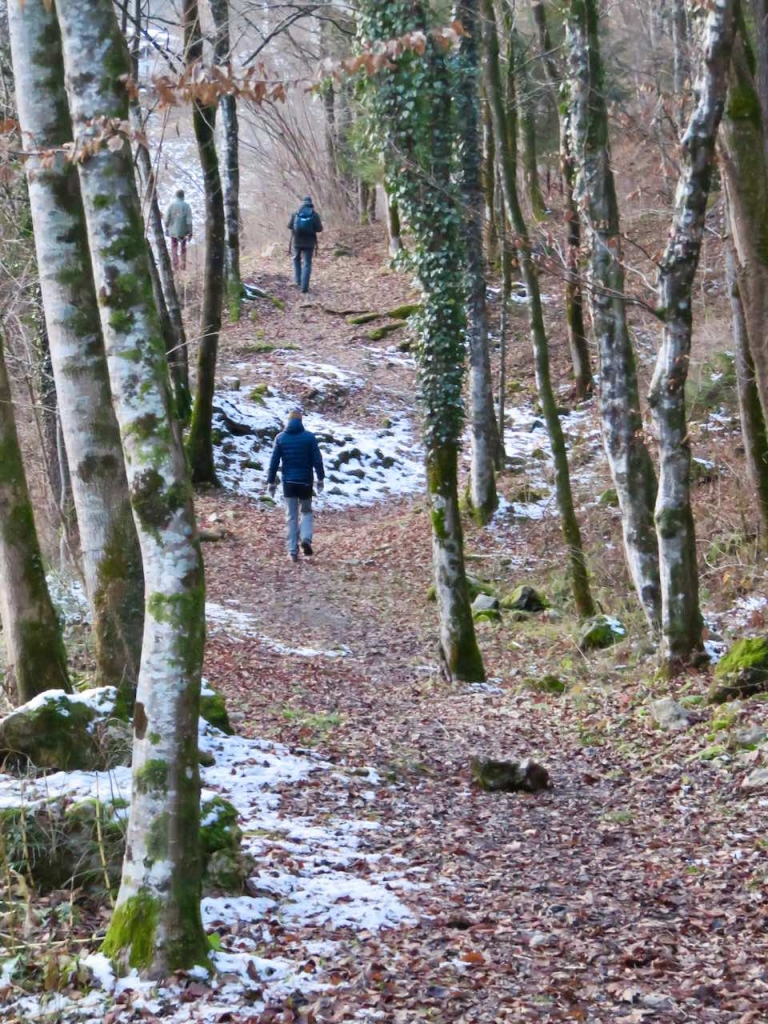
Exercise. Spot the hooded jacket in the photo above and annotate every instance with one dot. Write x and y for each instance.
(299, 453)
(305, 239)
(178, 219)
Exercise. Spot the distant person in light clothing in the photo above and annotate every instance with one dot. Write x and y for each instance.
(299, 453)
(178, 225)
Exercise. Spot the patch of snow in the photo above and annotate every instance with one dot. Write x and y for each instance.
(389, 461)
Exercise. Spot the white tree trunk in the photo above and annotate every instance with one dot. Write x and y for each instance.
(681, 618)
(622, 422)
(111, 557)
(157, 924)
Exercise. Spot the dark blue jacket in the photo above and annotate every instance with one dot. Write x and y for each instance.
(299, 453)
(305, 239)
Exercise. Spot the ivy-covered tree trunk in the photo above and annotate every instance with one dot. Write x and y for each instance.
(414, 119)
(485, 438)
(622, 422)
(110, 548)
(35, 655)
(156, 926)
(753, 425)
(574, 303)
(200, 438)
(230, 162)
(506, 142)
(681, 617)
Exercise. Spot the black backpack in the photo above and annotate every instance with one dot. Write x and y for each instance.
(304, 221)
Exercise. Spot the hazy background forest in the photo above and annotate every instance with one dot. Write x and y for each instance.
(498, 749)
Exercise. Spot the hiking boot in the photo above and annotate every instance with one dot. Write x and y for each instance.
(294, 556)
(306, 547)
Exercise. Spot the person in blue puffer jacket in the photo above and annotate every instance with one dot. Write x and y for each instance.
(299, 453)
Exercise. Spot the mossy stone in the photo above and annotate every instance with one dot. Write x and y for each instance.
(600, 632)
(525, 599)
(609, 498)
(509, 776)
(214, 711)
(52, 731)
(545, 684)
(743, 672)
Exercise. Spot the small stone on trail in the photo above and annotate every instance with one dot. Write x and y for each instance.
(669, 714)
(749, 737)
(758, 779)
(545, 684)
(485, 603)
(525, 776)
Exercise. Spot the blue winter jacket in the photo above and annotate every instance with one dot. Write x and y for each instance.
(299, 453)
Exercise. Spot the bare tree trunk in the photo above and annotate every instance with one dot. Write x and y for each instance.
(393, 226)
(156, 926)
(681, 617)
(505, 140)
(111, 556)
(230, 160)
(418, 150)
(200, 438)
(485, 438)
(528, 134)
(753, 426)
(489, 185)
(681, 68)
(35, 655)
(574, 304)
(622, 422)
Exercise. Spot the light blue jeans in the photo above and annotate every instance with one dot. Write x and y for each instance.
(294, 532)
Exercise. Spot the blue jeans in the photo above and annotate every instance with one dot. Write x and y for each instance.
(292, 506)
(302, 268)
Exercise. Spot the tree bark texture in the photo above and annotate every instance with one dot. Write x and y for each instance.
(622, 422)
(753, 426)
(156, 926)
(35, 655)
(394, 230)
(681, 617)
(506, 147)
(489, 187)
(412, 108)
(528, 133)
(110, 549)
(574, 301)
(230, 160)
(200, 439)
(485, 437)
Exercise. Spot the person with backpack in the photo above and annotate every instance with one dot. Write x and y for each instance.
(178, 224)
(298, 451)
(304, 226)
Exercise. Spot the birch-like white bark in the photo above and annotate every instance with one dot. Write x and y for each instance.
(681, 617)
(622, 422)
(111, 558)
(157, 923)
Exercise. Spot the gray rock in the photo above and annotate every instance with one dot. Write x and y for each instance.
(525, 776)
(758, 779)
(600, 632)
(748, 737)
(669, 714)
(485, 603)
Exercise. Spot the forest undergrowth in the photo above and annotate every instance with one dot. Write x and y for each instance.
(629, 891)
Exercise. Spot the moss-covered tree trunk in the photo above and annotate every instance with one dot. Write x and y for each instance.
(485, 438)
(489, 187)
(110, 548)
(574, 303)
(200, 438)
(230, 159)
(744, 163)
(753, 425)
(527, 127)
(413, 116)
(156, 925)
(622, 422)
(681, 617)
(505, 140)
(34, 651)
(394, 229)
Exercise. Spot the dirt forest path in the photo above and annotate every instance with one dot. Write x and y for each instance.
(631, 891)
